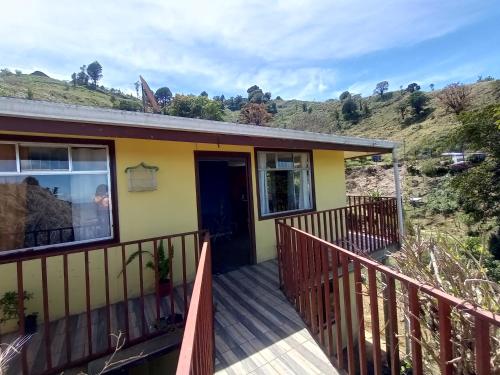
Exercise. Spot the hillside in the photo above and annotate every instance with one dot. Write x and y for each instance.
(381, 121)
(49, 89)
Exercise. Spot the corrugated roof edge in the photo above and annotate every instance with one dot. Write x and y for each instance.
(13, 107)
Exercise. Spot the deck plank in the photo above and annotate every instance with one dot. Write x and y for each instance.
(257, 331)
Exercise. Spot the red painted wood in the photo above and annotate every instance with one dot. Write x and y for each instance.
(377, 355)
(361, 319)
(46, 317)
(445, 345)
(415, 332)
(482, 346)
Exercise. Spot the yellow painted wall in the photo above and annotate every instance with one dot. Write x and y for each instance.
(170, 209)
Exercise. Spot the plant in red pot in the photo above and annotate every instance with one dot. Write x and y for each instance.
(163, 266)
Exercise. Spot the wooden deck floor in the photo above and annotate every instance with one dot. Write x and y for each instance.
(257, 331)
(36, 353)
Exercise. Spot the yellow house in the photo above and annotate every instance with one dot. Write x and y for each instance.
(89, 196)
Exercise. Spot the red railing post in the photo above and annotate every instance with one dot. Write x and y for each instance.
(197, 349)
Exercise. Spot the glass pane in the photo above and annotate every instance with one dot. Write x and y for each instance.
(270, 160)
(281, 192)
(89, 159)
(301, 160)
(43, 210)
(36, 158)
(7, 158)
(297, 160)
(285, 160)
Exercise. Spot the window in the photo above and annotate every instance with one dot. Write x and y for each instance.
(284, 182)
(53, 194)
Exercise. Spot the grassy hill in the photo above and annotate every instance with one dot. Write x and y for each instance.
(381, 121)
(49, 89)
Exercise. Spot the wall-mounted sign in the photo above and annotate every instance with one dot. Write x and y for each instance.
(142, 177)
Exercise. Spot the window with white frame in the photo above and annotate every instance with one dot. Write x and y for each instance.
(53, 194)
(284, 181)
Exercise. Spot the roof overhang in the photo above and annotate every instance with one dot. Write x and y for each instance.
(56, 118)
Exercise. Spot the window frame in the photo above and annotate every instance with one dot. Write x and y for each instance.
(21, 140)
(257, 188)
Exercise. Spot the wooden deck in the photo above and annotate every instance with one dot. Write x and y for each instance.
(35, 349)
(257, 331)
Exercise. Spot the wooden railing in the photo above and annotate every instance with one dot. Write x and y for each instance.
(337, 293)
(197, 351)
(353, 200)
(112, 297)
(361, 228)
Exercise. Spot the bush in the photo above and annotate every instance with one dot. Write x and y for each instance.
(432, 169)
(129, 105)
(413, 170)
(442, 200)
(448, 265)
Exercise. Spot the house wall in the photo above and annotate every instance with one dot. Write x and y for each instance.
(172, 208)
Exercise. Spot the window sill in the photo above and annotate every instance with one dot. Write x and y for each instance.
(285, 214)
(55, 250)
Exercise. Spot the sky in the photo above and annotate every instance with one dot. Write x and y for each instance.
(309, 50)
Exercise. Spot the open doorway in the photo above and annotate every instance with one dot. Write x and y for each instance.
(225, 207)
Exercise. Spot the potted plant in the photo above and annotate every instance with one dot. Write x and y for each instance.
(9, 309)
(163, 266)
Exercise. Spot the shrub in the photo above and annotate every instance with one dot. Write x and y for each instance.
(448, 265)
(432, 169)
(442, 200)
(129, 105)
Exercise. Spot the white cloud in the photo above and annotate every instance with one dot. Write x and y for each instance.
(282, 45)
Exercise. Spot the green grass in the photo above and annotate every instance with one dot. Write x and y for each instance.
(49, 89)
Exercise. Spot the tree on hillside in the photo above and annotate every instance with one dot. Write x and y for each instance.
(304, 107)
(163, 96)
(82, 78)
(381, 87)
(271, 108)
(235, 103)
(137, 85)
(256, 95)
(432, 86)
(418, 101)
(455, 97)
(279, 98)
(94, 70)
(350, 110)
(344, 95)
(256, 114)
(195, 107)
(401, 109)
(204, 93)
(336, 118)
(73, 79)
(412, 87)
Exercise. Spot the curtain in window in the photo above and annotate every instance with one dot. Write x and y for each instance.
(263, 189)
(305, 188)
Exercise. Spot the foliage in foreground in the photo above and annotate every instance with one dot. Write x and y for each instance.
(449, 265)
(479, 187)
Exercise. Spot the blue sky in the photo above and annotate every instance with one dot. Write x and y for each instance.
(295, 49)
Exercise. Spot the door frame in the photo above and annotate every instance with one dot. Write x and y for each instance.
(224, 156)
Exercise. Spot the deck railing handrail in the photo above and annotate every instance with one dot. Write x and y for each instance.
(307, 262)
(372, 225)
(197, 350)
(186, 241)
